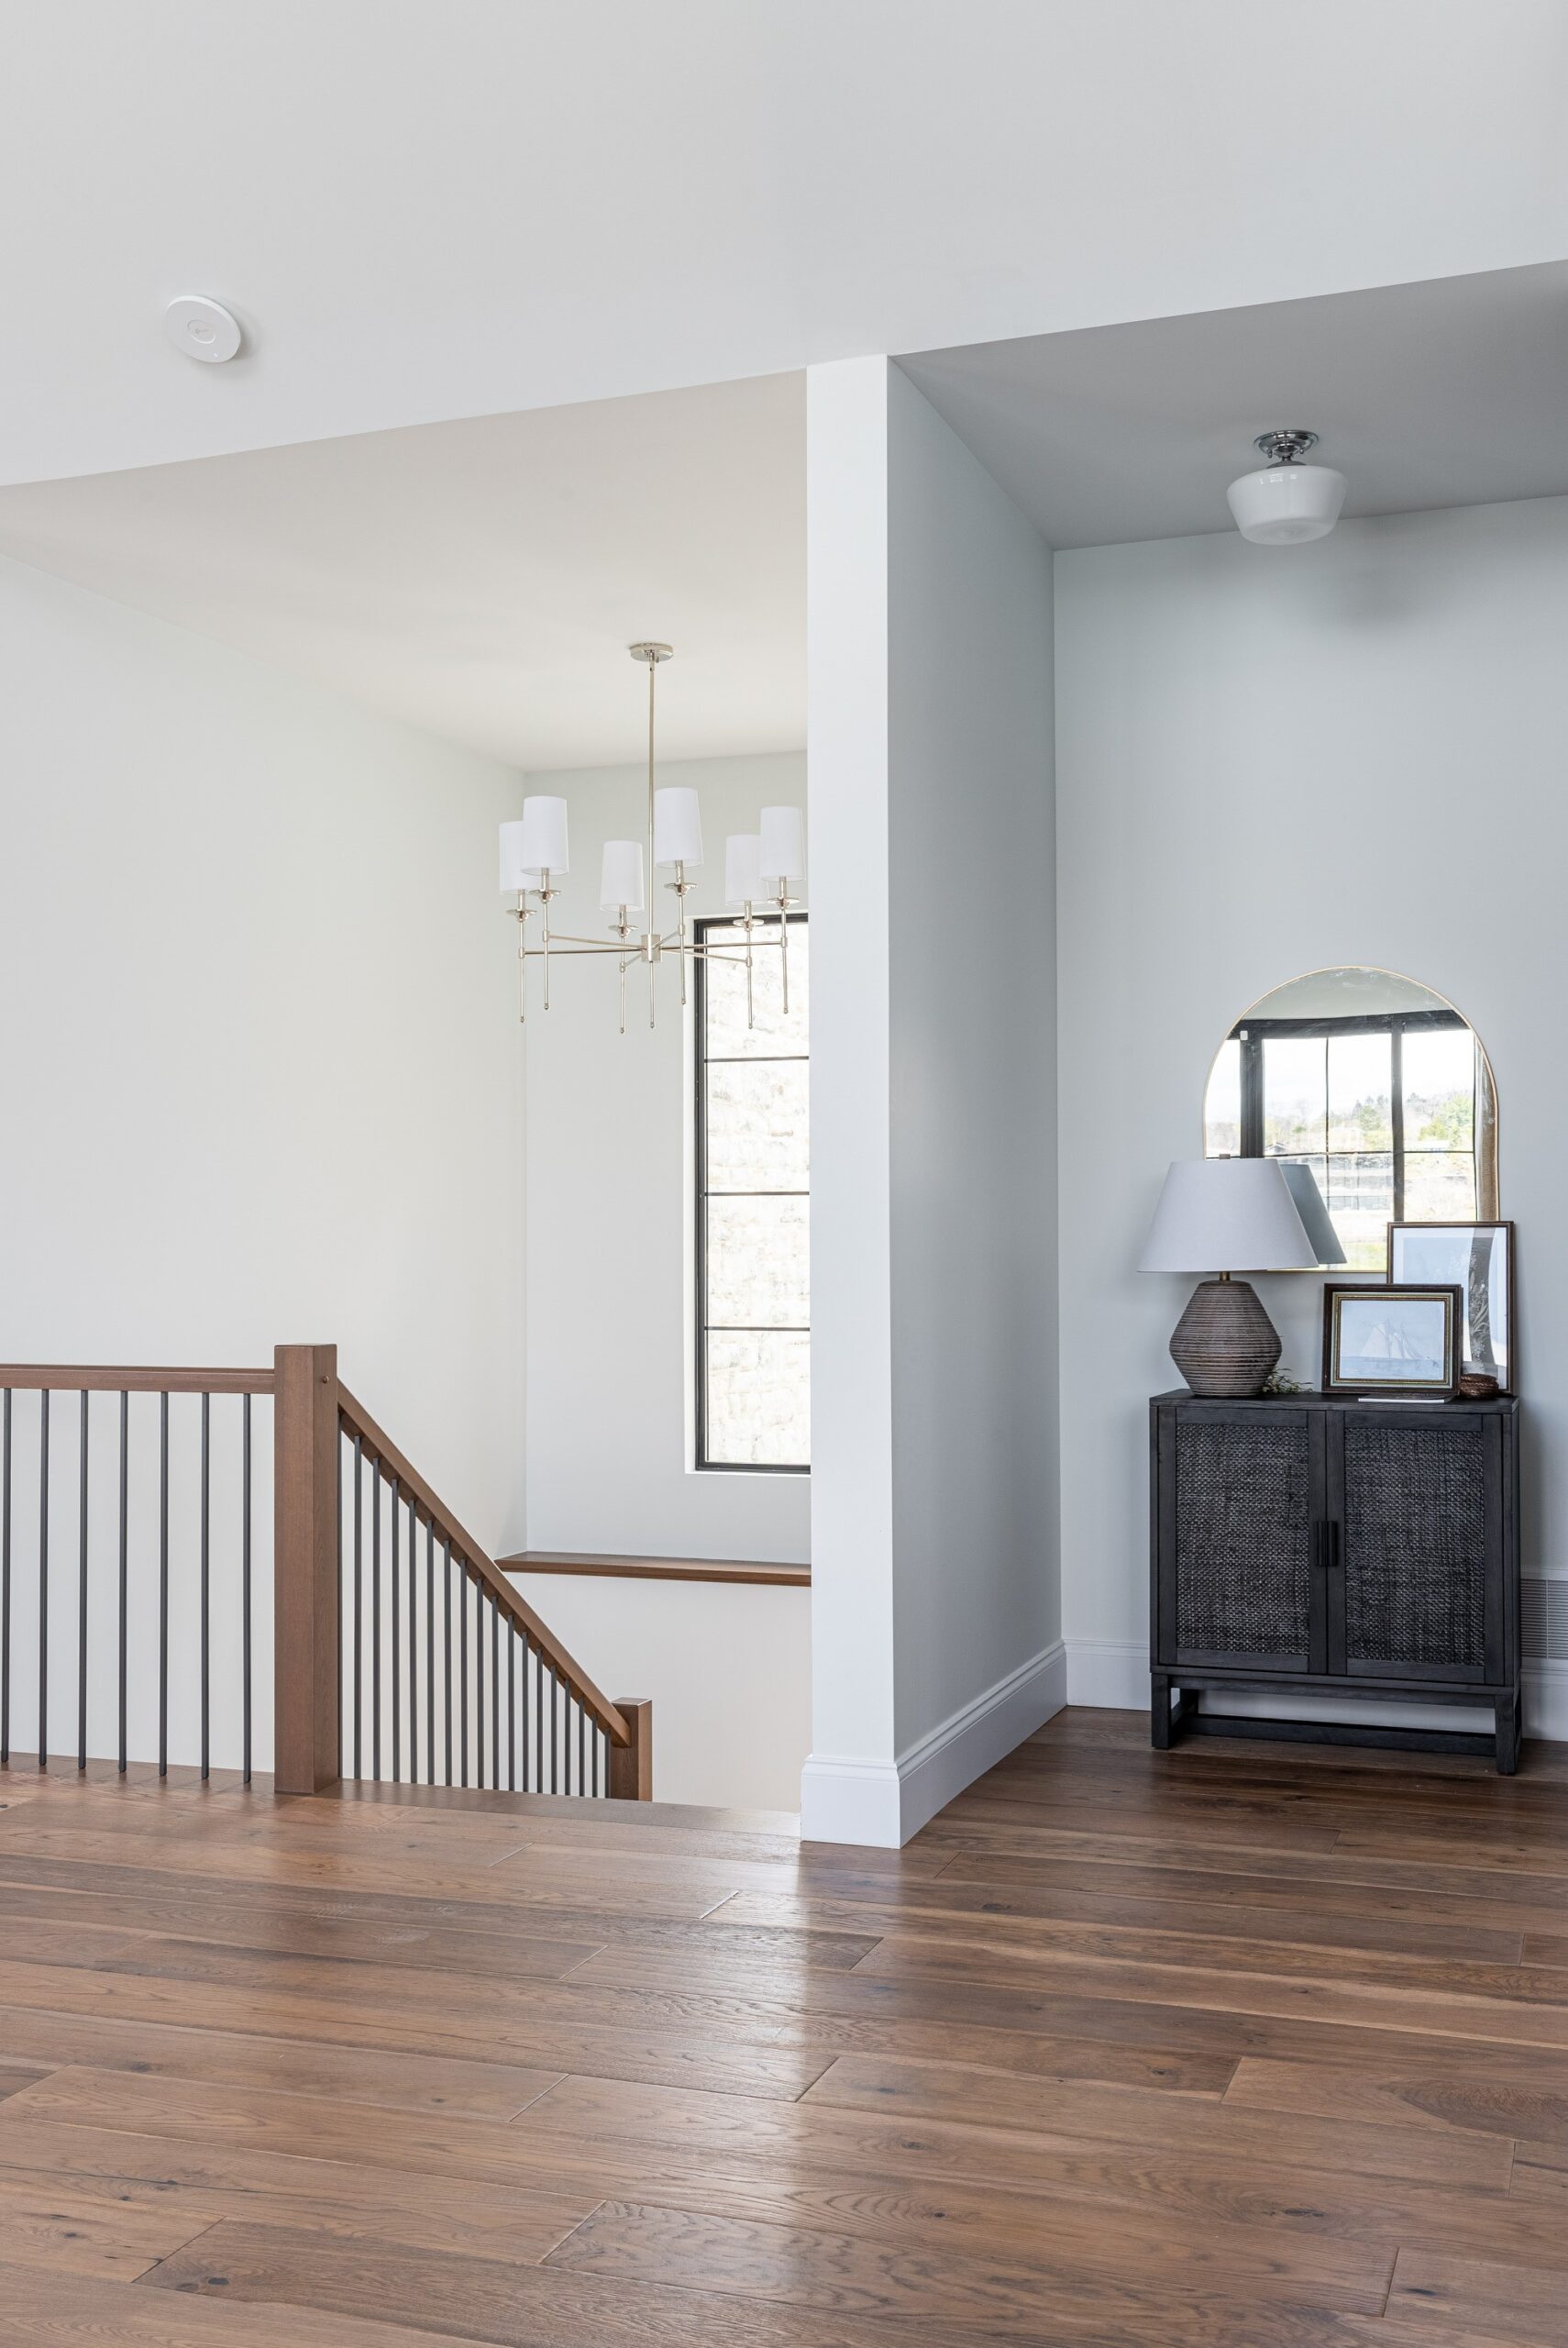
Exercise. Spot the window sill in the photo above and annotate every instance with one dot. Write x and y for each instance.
(615, 1569)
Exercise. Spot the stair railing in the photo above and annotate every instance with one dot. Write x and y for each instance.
(399, 1651)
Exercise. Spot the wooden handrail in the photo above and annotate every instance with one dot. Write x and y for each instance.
(78, 1378)
(376, 1445)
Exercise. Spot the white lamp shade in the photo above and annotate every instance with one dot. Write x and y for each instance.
(622, 881)
(743, 870)
(1227, 1214)
(514, 874)
(677, 826)
(1285, 505)
(544, 842)
(783, 851)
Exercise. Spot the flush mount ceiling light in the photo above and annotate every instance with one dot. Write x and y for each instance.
(1287, 501)
(761, 867)
(202, 328)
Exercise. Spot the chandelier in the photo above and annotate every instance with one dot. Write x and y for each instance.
(761, 869)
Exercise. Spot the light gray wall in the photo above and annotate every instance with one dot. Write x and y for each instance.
(972, 1073)
(1268, 761)
(260, 1073)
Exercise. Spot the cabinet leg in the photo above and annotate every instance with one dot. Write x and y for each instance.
(1160, 1713)
(1506, 1711)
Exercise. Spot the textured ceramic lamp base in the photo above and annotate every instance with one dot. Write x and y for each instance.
(1225, 1344)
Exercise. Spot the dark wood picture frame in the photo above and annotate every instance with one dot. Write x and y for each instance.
(1336, 1293)
(1508, 1379)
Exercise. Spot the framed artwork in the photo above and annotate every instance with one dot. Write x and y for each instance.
(1478, 1256)
(1400, 1340)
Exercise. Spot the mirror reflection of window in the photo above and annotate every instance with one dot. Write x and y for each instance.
(1375, 1083)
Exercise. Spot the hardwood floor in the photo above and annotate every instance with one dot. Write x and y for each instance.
(1237, 2046)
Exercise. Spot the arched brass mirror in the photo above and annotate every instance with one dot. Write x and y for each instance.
(1379, 1085)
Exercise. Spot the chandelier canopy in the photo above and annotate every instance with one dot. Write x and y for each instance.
(761, 868)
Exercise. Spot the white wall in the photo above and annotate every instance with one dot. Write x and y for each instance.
(934, 1600)
(728, 1668)
(610, 1313)
(260, 1073)
(1270, 762)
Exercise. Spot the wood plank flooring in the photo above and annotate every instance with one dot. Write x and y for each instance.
(1237, 2046)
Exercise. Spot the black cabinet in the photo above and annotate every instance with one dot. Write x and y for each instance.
(1348, 1548)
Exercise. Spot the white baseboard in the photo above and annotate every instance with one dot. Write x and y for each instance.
(882, 1803)
(1113, 1675)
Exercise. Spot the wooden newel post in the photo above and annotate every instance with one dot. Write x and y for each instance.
(305, 1674)
(631, 1765)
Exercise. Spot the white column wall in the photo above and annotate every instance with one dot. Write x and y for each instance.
(934, 1525)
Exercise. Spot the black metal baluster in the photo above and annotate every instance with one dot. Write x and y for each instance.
(555, 1740)
(375, 1618)
(430, 1658)
(495, 1696)
(413, 1647)
(581, 1750)
(5, 1581)
(539, 1722)
(163, 1585)
(396, 1649)
(447, 1652)
(207, 1581)
(479, 1683)
(358, 1604)
(511, 1706)
(463, 1663)
(82, 1592)
(43, 1579)
(125, 1565)
(598, 1733)
(244, 1583)
(526, 1654)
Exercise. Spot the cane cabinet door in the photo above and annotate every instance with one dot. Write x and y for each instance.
(1239, 1538)
(1415, 1503)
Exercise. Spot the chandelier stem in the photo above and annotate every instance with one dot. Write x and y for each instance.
(784, 946)
(653, 671)
(750, 1006)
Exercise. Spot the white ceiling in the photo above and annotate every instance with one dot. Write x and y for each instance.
(482, 580)
(1449, 394)
(427, 211)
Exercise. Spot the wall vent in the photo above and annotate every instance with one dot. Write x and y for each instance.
(1544, 1607)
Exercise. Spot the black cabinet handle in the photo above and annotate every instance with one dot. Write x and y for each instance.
(1334, 1556)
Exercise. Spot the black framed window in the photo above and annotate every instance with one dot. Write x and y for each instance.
(753, 1187)
(1382, 1109)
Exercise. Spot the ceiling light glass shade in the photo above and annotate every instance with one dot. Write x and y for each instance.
(677, 826)
(783, 837)
(514, 873)
(544, 844)
(1284, 505)
(622, 881)
(742, 870)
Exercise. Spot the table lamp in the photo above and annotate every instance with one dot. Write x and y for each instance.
(1225, 1216)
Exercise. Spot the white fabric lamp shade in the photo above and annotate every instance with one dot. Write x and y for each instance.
(1227, 1214)
(783, 850)
(743, 870)
(1285, 505)
(514, 874)
(622, 881)
(678, 827)
(544, 846)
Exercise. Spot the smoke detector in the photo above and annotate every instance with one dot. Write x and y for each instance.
(202, 328)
